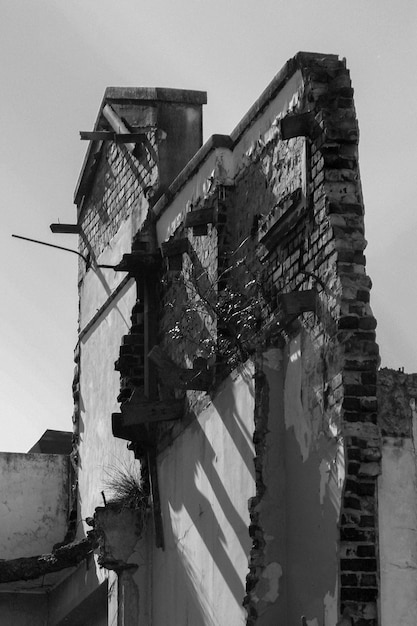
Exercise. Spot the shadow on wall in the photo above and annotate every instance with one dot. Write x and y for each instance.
(207, 518)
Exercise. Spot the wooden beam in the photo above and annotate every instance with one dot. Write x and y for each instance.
(138, 433)
(66, 229)
(175, 247)
(173, 251)
(130, 137)
(96, 135)
(117, 124)
(175, 377)
(299, 125)
(140, 410)
(199, 217)
(109, 135)
(137, 262)
(198, 221)
(30, 568)
(298, 302)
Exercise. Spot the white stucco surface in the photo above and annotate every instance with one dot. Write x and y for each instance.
(99, 452)
(33, 503)
(206, 479)
(397, 513)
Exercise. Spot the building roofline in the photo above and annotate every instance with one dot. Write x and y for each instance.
(154, 94)
(300, 60)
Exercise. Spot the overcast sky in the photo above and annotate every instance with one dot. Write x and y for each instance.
(58, 56)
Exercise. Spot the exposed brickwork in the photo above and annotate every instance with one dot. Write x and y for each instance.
(188, 293)
(122, 185)
(336, 192)
(257, 560)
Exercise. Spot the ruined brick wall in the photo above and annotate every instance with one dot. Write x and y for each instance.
(188, 323)
(122, 185)
(337, 194)
(284, 229)
(324, 249)
(294, 221)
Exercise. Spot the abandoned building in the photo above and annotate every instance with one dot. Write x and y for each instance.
(236, 458)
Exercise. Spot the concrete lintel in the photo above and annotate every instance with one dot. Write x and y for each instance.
(155, 94)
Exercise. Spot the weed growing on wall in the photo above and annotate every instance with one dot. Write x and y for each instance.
(127, 488)
(234, 309)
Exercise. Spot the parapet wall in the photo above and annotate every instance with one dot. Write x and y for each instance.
(34, 503)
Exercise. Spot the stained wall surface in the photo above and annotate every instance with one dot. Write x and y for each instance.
(99, 452)
(397, 508)
(314, 462)
(397, 497)
(33, 504)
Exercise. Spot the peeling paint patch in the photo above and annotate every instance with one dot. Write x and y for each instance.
(330, 609)
(272, 573)
(294, 411)
(312, 622)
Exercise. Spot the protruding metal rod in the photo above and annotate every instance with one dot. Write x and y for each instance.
(52, 245)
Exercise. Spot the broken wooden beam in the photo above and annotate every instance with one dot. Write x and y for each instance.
(66, 229)
(96, 135)
(173, 247)
(137, 262)
(299, 125)
(297, 302)
(140, 410)
(199, 219)
(137, 433)
(130, 137)
(175, 377)
(30, 568)
(173, 251)
(108, 135)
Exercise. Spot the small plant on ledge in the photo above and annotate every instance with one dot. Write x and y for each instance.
(128, 488)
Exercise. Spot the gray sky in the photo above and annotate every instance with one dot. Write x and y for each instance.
(58, 56)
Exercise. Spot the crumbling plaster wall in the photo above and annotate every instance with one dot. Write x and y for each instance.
(33, 503)
(99, 451)
(113, 194)
(307, 193)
